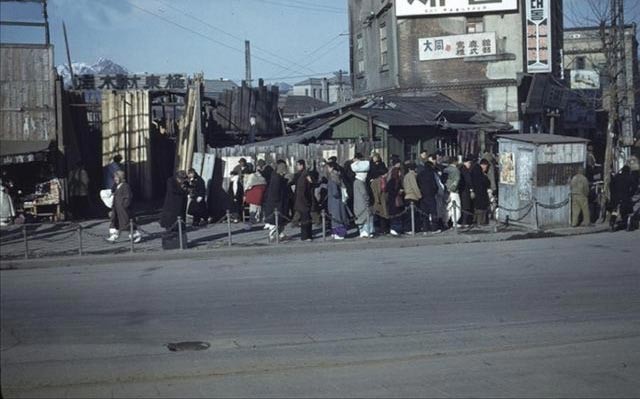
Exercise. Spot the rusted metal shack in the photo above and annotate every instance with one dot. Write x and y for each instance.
(535, 171)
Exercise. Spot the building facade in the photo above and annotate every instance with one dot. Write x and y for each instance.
(331, 90)
(473, 51)
(585, 61)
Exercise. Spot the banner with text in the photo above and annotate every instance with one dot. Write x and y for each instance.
(457, 46)
(538, 36)
(133, 81)
(405, 8)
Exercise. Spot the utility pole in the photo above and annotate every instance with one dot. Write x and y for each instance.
(247, 62)
(614, 43)
(66, 43)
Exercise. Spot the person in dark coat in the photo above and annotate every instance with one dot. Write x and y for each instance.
(175, 201)
(119, 215)
(377, 172)
(264, 169)
(481, 187)
(197, 191)
(622, 188)
(277, 199)
(395, 202)
(236, 193)
(428, 205)
(336, 202)
(466, 191)
(303, 199)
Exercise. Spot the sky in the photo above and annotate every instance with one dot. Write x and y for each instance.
(290, 39)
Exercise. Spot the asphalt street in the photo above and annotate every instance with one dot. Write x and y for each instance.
(555, 317)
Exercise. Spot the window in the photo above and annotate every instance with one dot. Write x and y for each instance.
(320, 94)
(361, 66)
(306, 92)
(581, 63)
(359, 42)
(314, 93)
(383, 45)
(475, 25)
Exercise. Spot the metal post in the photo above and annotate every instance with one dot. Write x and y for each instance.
(180, 240)
(277, 214)
(369, 224)
(80, 240)
(324, 225)
(131, 234)
(26, 243)
(413, 218)
(229, 226)
(535, 213)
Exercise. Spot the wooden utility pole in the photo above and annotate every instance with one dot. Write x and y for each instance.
(614, 44)
(66, 43)
(247, 62)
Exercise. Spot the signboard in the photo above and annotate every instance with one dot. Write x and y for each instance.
(133, 81)
(406, 8)
(585, 79)
(538, 36)
(457, 46)
(507, 168)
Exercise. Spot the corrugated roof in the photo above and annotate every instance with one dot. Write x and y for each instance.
(301, 105)
(543, 138)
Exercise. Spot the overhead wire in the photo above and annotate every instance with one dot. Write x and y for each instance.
(195, 32)
(304, 6)
(189, 15)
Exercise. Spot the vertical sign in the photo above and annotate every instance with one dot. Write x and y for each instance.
(538, 36)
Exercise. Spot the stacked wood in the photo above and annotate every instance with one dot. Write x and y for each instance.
(239, 104)
(190, 125)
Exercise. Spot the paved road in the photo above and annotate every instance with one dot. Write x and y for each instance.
(546, 317)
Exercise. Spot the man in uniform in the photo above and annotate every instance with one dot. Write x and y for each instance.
(579, 199)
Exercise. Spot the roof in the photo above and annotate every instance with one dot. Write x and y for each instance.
(431, 110)
(19, 151)
(301, 105)
(543, 138)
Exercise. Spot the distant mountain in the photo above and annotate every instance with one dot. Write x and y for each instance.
(283, 87)
(103, 66)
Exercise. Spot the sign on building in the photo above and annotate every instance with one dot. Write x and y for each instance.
(133, 81)
(457, 46)
(585, 79)
(538, 36)
(405, 8)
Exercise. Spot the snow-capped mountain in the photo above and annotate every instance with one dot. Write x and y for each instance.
(103, 66)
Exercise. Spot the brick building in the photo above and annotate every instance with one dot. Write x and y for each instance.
(473, 51)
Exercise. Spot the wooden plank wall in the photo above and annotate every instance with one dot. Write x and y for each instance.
(27, 93)
(311, 153)
(240, 103)
(138, 121)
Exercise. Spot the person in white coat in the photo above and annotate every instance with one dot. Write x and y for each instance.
(361, 200)
(7, 211)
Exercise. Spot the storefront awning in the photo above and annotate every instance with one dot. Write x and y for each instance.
(21, 151)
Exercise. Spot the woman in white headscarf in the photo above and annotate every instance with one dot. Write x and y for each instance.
(7, 211)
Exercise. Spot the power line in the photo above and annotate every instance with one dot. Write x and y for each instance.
(320, 48)
(302, 6)
(206, 37)
(189, 15)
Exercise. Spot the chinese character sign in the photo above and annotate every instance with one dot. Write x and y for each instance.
(538, 36)
(457, 46)
(176, 81)
(405, 8)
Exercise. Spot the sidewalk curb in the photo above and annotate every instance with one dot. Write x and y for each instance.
(296, 248)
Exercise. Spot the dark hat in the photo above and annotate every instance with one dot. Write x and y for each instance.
(261, 162)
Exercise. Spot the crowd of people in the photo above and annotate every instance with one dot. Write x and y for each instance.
(363, 192)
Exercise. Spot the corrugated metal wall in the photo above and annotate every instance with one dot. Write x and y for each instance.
(542, 172)
(27, 93)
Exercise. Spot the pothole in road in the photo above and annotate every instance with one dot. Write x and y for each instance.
(188, 346)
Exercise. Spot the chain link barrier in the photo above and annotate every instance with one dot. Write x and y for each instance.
(74, 228)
